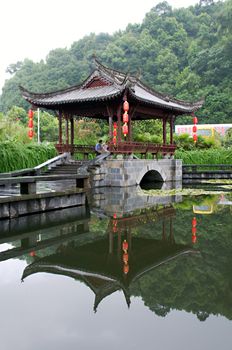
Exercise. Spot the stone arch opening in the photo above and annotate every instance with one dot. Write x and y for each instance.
(151, 180)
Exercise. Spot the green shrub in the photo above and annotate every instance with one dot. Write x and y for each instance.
(15, 155)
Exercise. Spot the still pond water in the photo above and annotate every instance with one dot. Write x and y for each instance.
(132, 271)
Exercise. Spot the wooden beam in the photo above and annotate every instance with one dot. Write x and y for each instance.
(143, 112)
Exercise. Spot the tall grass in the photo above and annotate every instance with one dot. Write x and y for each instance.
(207, 156)
(15, 155)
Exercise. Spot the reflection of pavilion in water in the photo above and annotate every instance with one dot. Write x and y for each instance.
(112, 263)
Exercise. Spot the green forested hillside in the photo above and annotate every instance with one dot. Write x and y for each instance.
(183, 52)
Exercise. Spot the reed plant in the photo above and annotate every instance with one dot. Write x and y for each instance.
(16, 155)
(205, 156)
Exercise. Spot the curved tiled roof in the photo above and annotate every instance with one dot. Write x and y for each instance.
(72, 96)
(105, 84)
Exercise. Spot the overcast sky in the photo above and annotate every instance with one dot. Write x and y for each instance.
(30, 29)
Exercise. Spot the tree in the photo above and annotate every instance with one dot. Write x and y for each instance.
(182, 52)
(14, 67)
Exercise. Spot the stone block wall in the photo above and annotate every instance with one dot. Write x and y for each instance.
(129, 172)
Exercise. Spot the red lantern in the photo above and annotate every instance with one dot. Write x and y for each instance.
(195, 137)
(125, 129)
(194, 222)
(195, 120)
(115, 132)
(125, 117)
(30, 123)
(125, 106)
(114, 140)
(126, 269)
(124, 245)
(125, 258)
(30, 113)
(194, 231)
(115, 125)
(30, 133)
(194, 128)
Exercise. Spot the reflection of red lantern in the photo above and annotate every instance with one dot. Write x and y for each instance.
(115, 229)
(30, 123)
(194, 239)
(195, 120)
(194, 230)
(114, 215)
(194, 222)
(194, 128)
(126, 269)
(125, 129)
(30, 113)
(125, 258)
(195, 137)
(125, 106)
(125, 117)
(124, 245)
(32, 253)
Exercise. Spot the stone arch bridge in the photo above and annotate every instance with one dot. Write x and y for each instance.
(131, 172)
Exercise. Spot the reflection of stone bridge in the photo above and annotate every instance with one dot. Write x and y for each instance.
(107, 201)
(28, 232)
(39, 231)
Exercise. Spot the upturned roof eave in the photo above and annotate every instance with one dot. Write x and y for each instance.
(47, 104)
(184, 107)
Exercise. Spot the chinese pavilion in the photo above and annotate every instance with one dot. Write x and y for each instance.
(119, 99)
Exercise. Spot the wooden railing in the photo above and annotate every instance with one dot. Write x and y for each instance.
(121, 148)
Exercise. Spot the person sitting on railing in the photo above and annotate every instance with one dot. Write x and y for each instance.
(104, 148)
(98, 147)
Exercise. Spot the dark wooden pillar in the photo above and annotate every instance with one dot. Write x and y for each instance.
(129, 239)
(171, 232)
(111, 241)
(67, 129)
(119, 117)
(111, 128)
(171, 129)
(163, 231)
(72, 132)
(119, 247)
(164, 130)
(110, 116)
(129, 128)
(60, 127)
